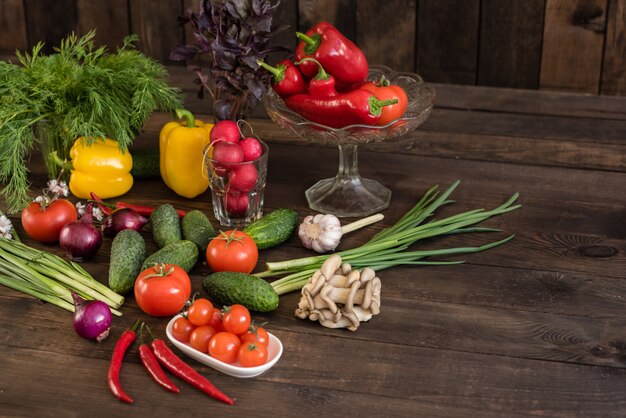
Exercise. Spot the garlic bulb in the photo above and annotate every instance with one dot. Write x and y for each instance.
(321, 233)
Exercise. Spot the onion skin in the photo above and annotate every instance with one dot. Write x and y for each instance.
(92, 318)
(81, 240)
(121, 219)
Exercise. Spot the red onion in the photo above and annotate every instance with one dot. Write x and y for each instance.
(92, 318)
(121, 219)
(81, 239)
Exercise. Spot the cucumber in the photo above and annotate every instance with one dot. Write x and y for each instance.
(182, 253)
(128, 251)
(273, 229)
(165, 225)
(146, 164)
(197, 228)
(229, 288)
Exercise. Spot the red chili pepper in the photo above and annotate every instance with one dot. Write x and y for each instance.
(115, 366)
(144, 210)
(181, 369)
(108, 208)
(151, 364)
(104, 207)
(325, 106)
(287, 78)
(339, 56)
(384, 90)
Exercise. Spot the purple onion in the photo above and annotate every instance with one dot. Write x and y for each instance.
(81, 239)
(121, 219)
(92, 318)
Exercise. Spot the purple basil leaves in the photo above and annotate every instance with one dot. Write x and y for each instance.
(235, 33)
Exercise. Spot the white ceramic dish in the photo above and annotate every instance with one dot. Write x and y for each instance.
(274, 351)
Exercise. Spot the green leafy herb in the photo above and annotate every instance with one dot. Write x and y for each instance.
(79, 91)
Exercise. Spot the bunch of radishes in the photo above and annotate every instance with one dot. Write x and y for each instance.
(230, 153)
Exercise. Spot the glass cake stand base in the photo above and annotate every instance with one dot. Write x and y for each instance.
(347, 194)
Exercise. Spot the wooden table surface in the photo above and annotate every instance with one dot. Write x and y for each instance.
(534, 327)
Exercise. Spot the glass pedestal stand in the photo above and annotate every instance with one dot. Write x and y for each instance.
(347, 194)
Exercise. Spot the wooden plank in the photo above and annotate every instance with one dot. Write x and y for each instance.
(340, 13)
(571, 58)
(49, 22)
(613, 73)
(109, 18)
(155, 23)
(447, 40)
(510, 43)
(13, 26)
(534, 102)
(391, 44)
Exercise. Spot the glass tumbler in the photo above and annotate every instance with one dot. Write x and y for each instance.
(237, 189)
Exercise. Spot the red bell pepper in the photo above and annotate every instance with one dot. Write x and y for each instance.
(287, 78)
(339, 56)
(384, 90)
(324, 105)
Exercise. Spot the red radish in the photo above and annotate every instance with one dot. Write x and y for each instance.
(252, 149)
(225, 154)
(236, 203)
(225, 130)
(243, 178)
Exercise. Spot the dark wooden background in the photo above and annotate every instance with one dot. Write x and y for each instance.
(566, 45)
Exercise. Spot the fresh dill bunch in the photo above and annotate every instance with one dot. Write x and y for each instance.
(78, 91)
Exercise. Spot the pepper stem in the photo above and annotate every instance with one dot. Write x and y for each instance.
(321, 73)
(376, 105)
(278, 71)
(64, 164)
(187, 115)
(311, 43)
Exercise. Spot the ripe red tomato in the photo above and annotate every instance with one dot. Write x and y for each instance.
(200, 312)
(181, 329)
(162, 290)
(232, 251)
(236, 319)
(44, 224)
(224, 346)
(252, 355)
(216, 320)
(200, 337)
(383, 90)
(256, 335)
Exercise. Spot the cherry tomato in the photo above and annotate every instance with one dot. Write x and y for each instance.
(383, 90)
(162, 290)
(44, 224)
(256, 335)
(232, 251)
(200, 337)
(216, 320)
(224, 346)
(236, 319)
(252, 355)
(181, 329)
(200, 312)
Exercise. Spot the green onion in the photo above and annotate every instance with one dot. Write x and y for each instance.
(48, 277)
(390, 246)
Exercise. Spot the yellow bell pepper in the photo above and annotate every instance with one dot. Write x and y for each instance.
(181, 149)
(100, 168)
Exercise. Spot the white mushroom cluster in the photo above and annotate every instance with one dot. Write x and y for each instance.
(339, 297)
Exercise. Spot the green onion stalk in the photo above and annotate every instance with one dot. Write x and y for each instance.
(391, 246)
(50, 278)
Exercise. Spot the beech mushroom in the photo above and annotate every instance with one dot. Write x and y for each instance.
(339, 297)
(323, 233)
